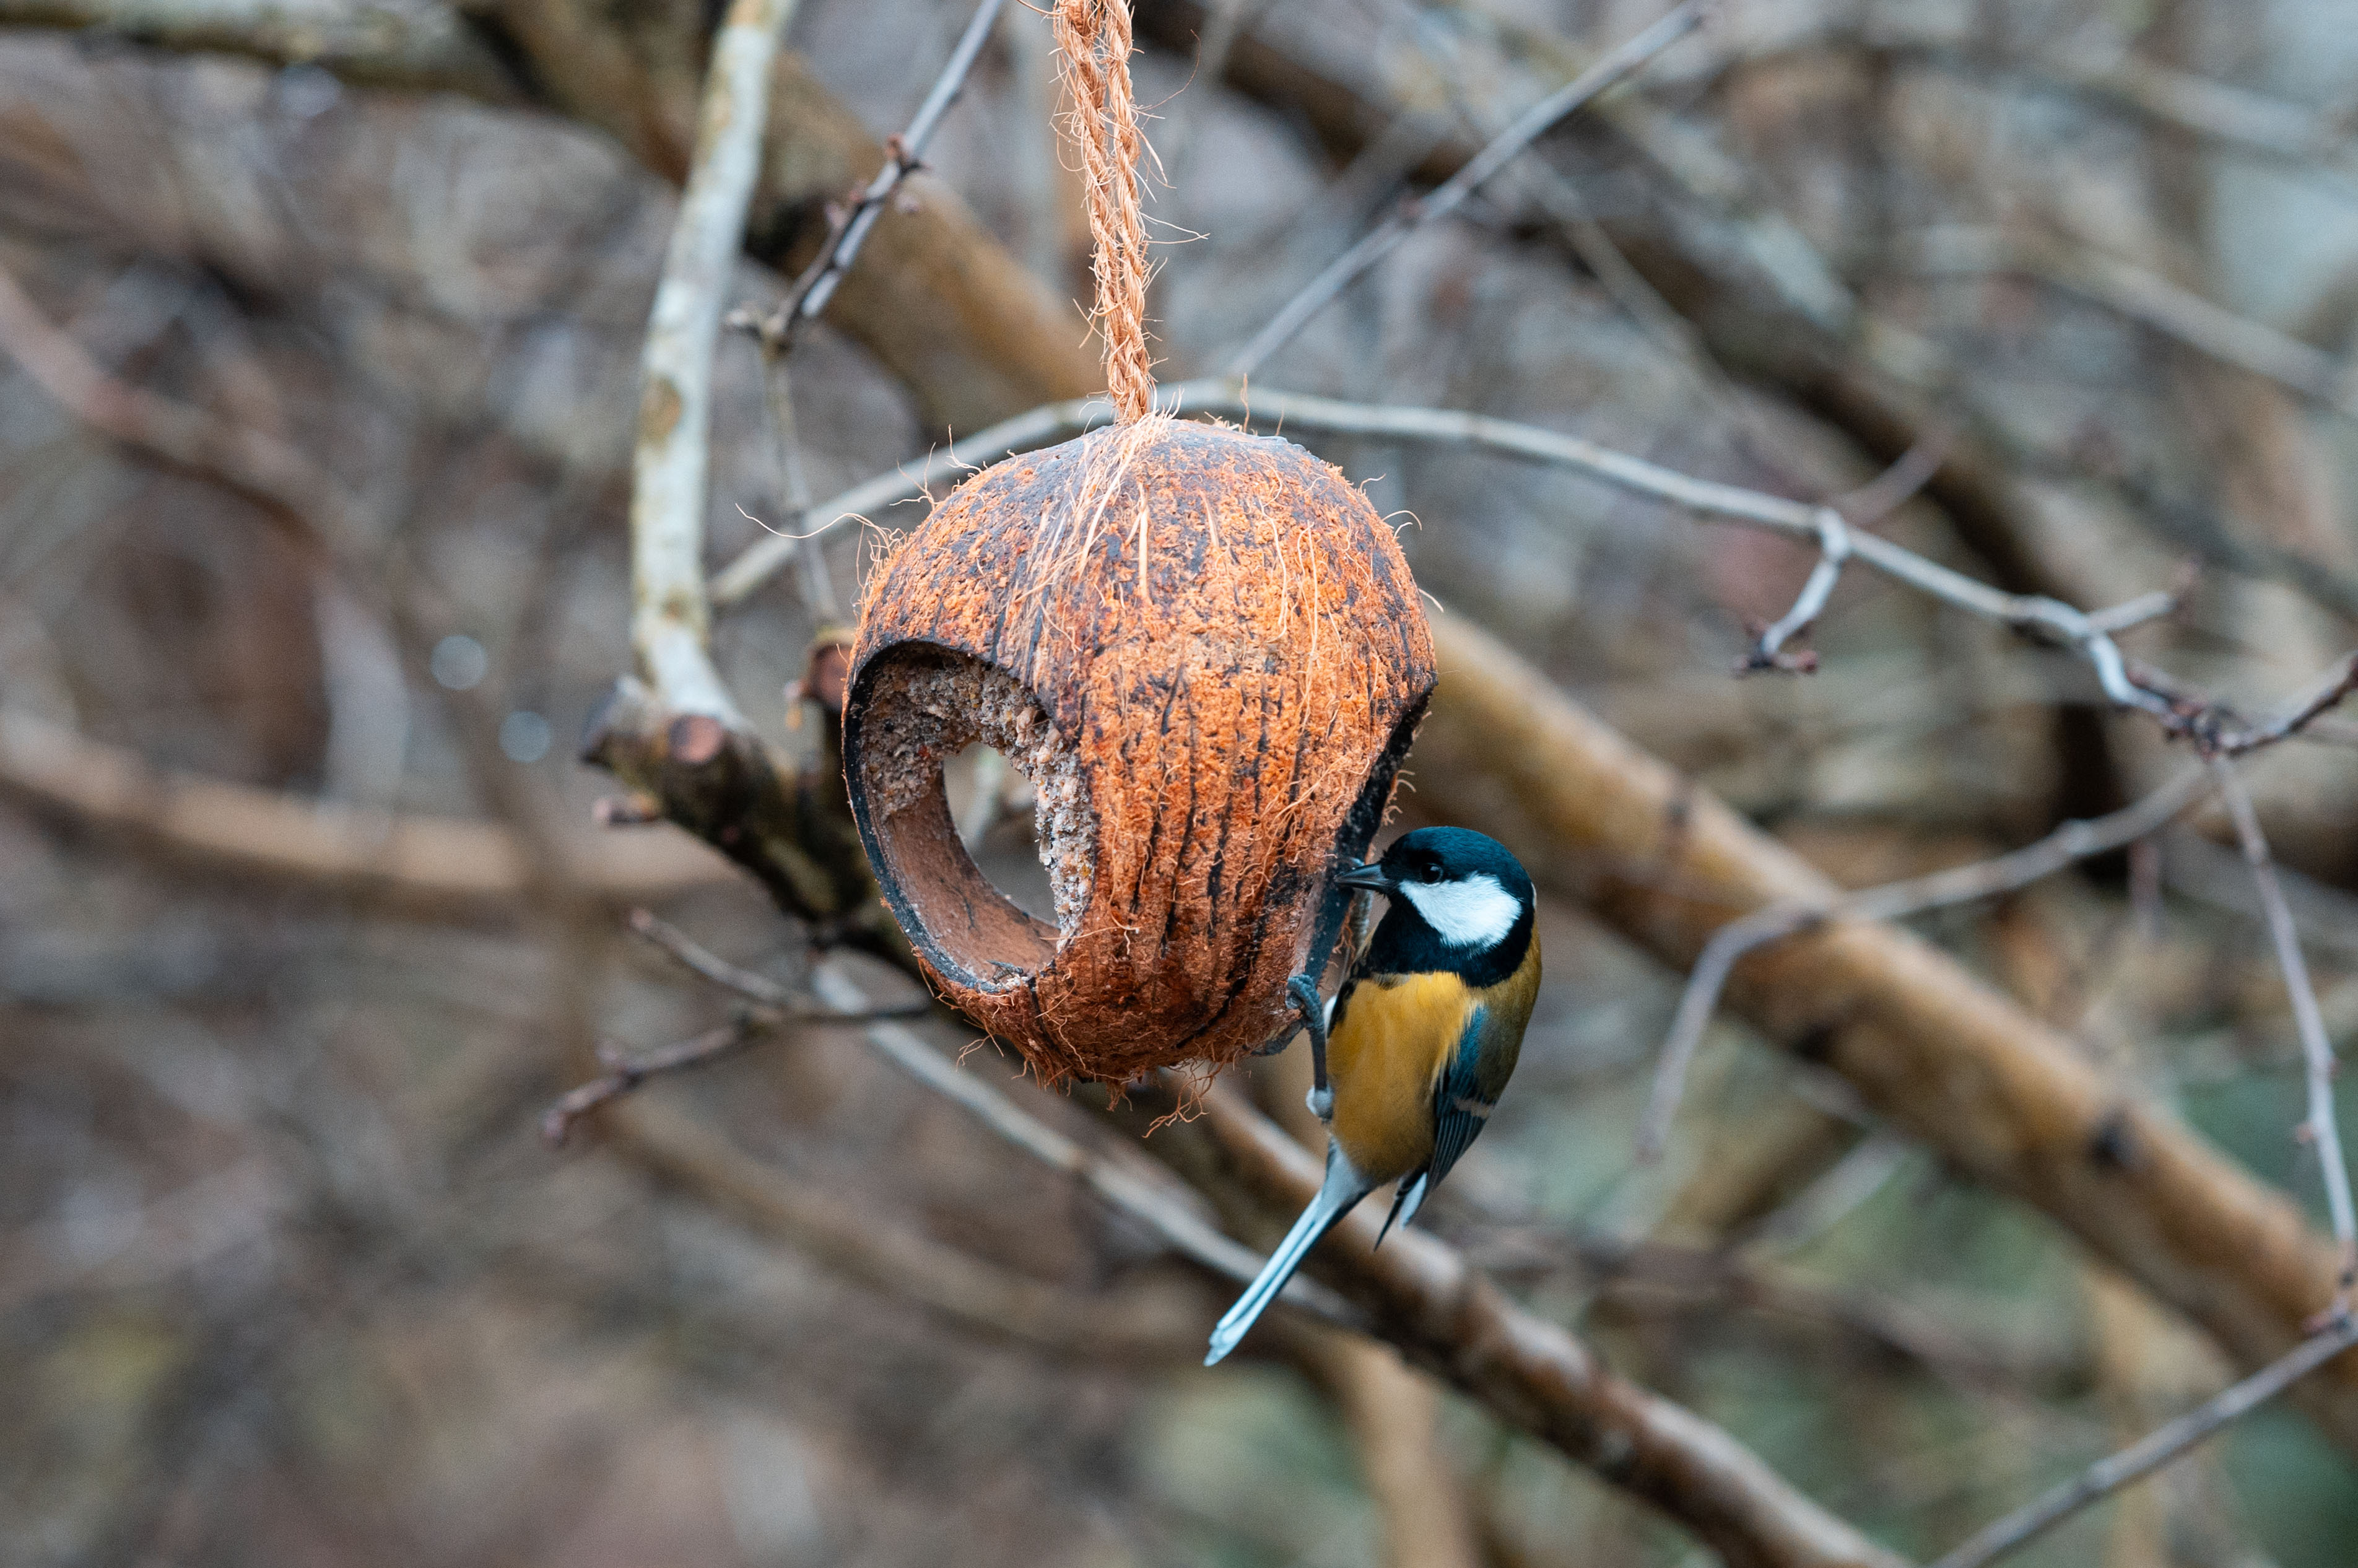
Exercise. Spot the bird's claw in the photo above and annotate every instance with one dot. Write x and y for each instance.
(1304, 989)
(1304, 993)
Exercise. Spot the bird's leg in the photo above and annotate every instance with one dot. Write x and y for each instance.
(1304, 989)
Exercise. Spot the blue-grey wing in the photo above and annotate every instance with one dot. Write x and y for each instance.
(1459, 1105)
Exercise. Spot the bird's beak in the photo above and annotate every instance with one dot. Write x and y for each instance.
(1369, 876)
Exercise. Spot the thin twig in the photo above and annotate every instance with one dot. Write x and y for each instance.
(2140, 296)
(702, 961)
(2090, 633)
(2301, 717)
(2322, 1129)
(748, 1025)
(2239, 120)
(904, 156)
(810, 559)
(628, 1074)
(1529, 1371)
(774, 334)
(773, 1007)
(1379, 243)
(1911, 471)
(1766, 652)
(1169, 1221)
(2150, 1453)
(1862, 508)
(1983, 879)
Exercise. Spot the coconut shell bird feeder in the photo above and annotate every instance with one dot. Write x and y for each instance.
(1203, 649)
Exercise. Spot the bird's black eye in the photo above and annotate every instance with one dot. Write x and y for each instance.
(1431, 871)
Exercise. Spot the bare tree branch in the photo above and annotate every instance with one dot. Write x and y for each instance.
(2235, 118)
(2177, 313)
(2151, 1453)
(1530, 1372)
(2176, 707)
(626, 1074)
(1937, 1054)
(676, 735)
(669, 621)
(419, 45)
(1443, 1313)
(1123, 1190)
(938, 301)
(774, 1007)
(774, 334)
(434, 865)
(2321, 1130)
(903, 155)
(1609, 70)
(1768, 650)
(2071, 842)
(853, 1239)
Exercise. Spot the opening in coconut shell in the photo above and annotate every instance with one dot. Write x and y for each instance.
(1204, 651)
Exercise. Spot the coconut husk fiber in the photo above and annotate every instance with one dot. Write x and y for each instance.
(1204, 649)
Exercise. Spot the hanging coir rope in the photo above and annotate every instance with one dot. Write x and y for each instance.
(1094, 39)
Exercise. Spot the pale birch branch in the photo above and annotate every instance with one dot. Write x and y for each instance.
(670, 623)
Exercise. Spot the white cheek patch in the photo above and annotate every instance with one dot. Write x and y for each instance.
(1473, 912)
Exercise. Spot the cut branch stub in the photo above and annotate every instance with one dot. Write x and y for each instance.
(1204, 651)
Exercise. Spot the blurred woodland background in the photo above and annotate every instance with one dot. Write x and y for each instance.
(319, 335)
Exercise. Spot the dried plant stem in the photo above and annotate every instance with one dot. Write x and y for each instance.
(2322, 1128)
(1339, 274)
(1094, 37)
(1984, 879)
(2155, 1450)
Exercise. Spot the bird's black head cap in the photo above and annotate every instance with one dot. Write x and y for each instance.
(1460, 901)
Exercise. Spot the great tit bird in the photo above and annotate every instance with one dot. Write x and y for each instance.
(1420, 1040)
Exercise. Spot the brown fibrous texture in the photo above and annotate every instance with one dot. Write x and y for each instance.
(1206, 651)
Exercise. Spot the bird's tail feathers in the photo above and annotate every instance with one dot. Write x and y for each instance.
(1406, 1201)
(1342, 1191)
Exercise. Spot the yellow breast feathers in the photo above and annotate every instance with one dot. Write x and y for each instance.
(1396, 1034)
